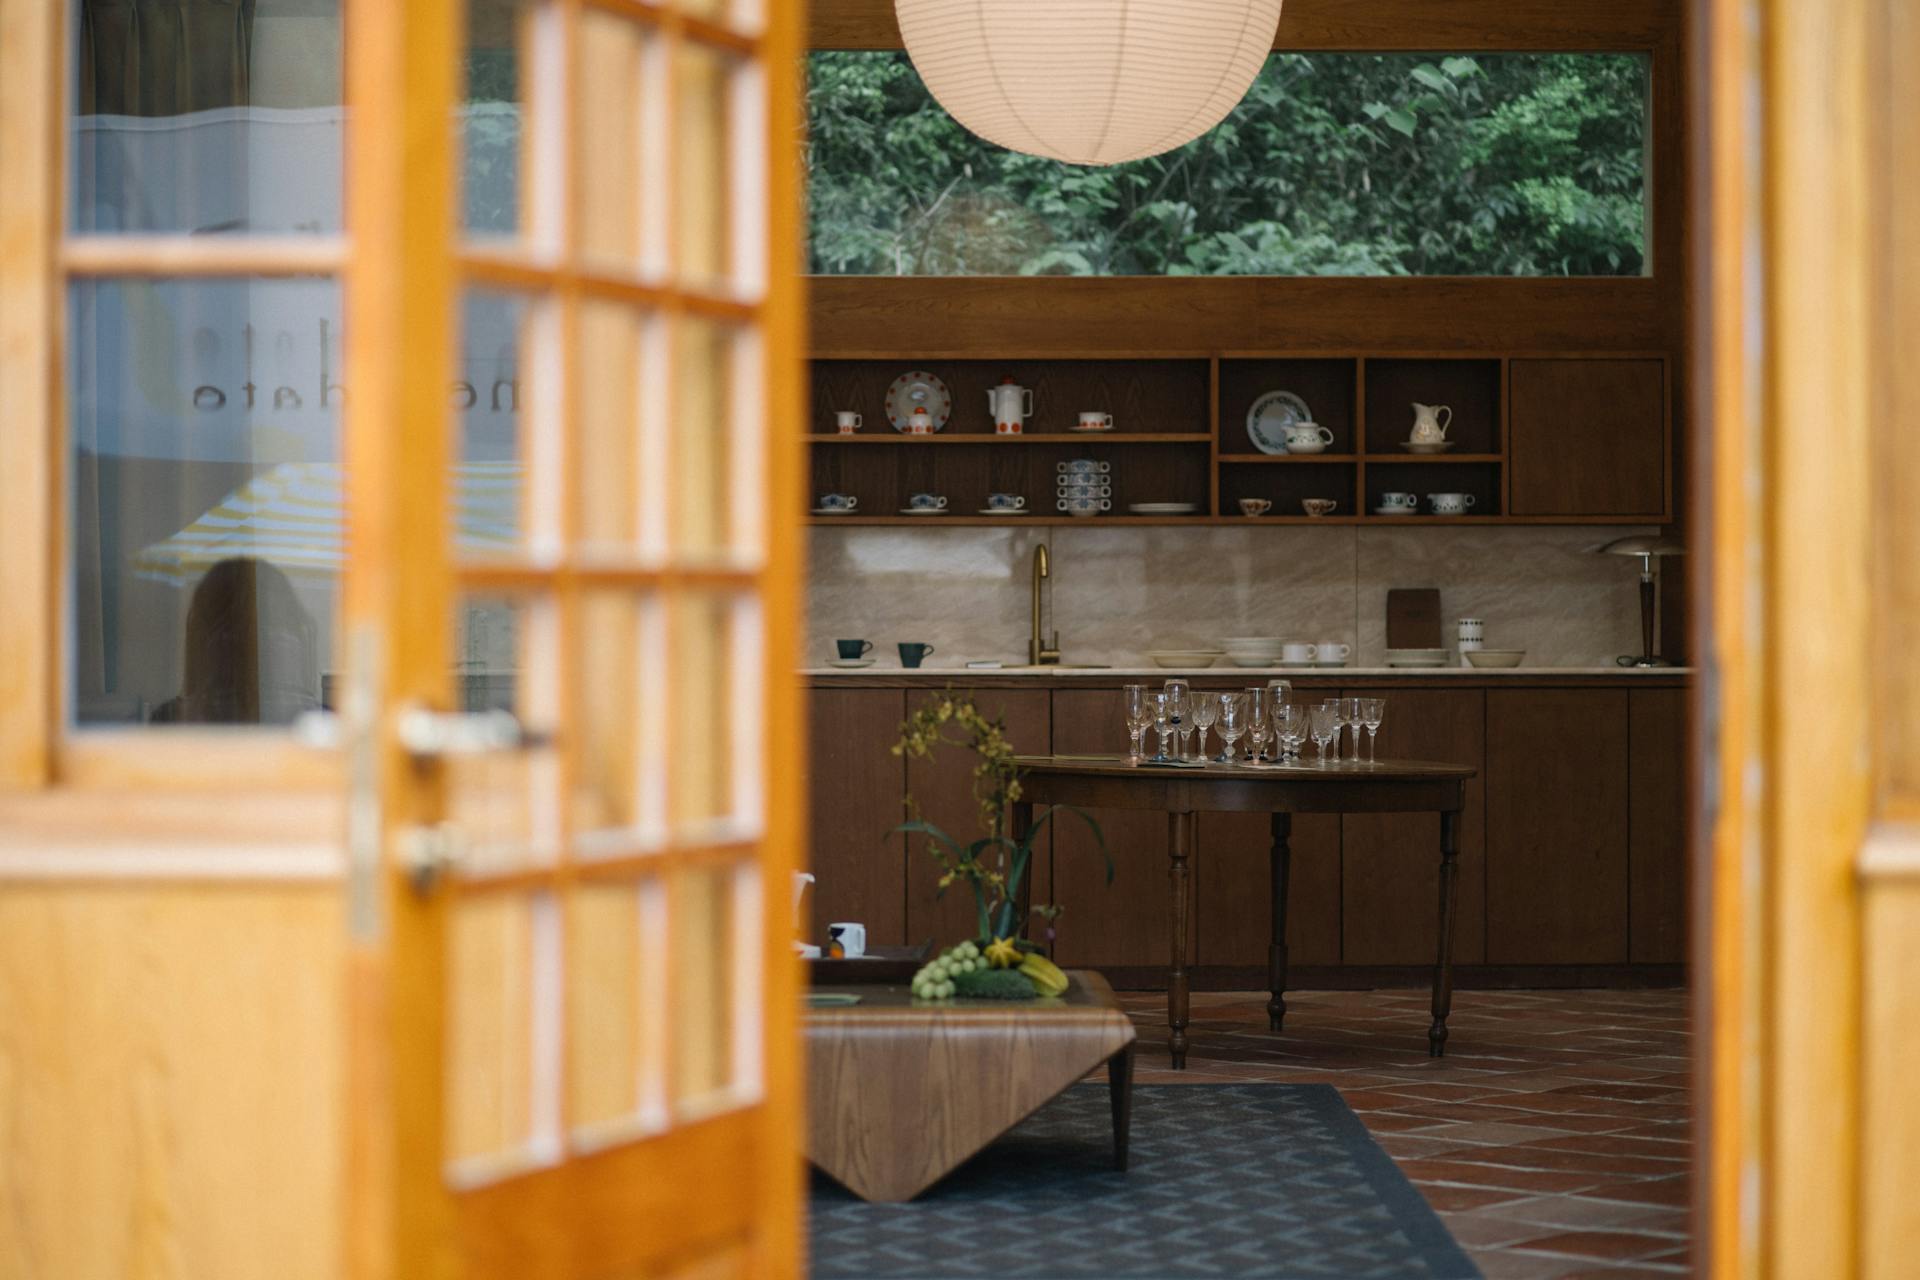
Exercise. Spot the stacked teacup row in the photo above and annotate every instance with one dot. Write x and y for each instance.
(1084, 487)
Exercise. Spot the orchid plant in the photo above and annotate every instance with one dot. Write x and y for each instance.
(995, 866)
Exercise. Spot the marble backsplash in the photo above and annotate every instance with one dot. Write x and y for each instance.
(1117, 592)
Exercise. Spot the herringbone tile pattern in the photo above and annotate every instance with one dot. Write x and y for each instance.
(1554, 1137)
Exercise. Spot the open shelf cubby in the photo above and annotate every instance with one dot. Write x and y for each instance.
(1180, 435)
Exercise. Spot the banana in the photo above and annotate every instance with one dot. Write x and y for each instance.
(1045, 975)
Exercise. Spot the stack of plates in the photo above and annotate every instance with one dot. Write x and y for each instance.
(1416, 657)
(1253, 651)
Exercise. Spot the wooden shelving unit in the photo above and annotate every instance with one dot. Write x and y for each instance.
(1181, 436)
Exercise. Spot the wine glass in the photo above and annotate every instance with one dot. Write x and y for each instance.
(1326, 728)
(1289, 727)
(1178, 700)
(1302, 727)
(1334, 707)
(1139, 716)
(1352, 715)
(1161, 707)
(1372, 712)
(1259, 724)
(1233, 723)
(1206, 712)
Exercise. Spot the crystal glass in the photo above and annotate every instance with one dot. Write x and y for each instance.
(1326, 728)
(1179, 706)
(1233, 723)
(1335, 707)
(1139, 717)
(1163, 723)
(1259, 723)
(1372, 712)
(1289, 728)
(1350, 712)
(1206, 713)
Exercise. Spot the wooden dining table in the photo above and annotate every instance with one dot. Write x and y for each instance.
(1281, 790)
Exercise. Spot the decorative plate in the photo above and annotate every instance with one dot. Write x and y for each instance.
(1163, 508)
(915, 390)
(1271, 415)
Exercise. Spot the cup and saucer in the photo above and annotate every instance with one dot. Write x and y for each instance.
(925, 504)
(853, 654)
(837, 504)
(1397, 504)
(1004, 504)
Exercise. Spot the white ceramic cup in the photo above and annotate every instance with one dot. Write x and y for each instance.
(927, 502)
(1006, 501)
(1329, 651)
(1084, 466)
(1295, 651)
(1449, 504)
(839, 502)
(1085, 506)
(1407, 500)
(851, 936)
(1092, 420)
(1308, 437)
(1077, 490)
(849, 421)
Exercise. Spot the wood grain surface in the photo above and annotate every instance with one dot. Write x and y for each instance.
(1557, 863)
(858, 795)
(901, 1091)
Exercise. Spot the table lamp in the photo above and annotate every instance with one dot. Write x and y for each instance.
(1648, 549)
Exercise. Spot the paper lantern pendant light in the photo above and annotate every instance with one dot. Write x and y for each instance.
(1088, 81)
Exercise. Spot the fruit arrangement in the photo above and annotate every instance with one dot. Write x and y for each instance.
(999, 972)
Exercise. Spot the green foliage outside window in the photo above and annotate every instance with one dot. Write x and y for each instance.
(1335, 164)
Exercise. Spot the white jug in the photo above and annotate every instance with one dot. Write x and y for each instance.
(1010, 405)
(1428, 426)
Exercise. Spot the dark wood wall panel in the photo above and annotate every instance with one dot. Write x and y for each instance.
(1054, 316)
(1411, 25)
(1233, 880)
(1390, 863)
(856, 792)
(1125, 923)
(1589, 437)
(1658, 826)
(1556, 827)
(944, 789)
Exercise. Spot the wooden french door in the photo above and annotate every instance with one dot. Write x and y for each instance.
(571, 733)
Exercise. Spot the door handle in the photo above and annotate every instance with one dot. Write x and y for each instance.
(430, 854)
(429, 734)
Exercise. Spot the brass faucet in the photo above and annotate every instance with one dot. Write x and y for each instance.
(1039, 653)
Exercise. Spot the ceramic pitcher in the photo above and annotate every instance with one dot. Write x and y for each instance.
(1010, 405)
(1430, 422)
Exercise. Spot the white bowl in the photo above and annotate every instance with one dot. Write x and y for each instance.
(1495, 657)
(1196, 658)
(1230, 643)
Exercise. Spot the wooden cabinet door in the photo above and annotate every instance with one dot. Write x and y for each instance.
(943, 787)
(1390, 862)
(1588, 438)
(1556, 826)
(855, 791)
(1657, 827)
(1124, 923)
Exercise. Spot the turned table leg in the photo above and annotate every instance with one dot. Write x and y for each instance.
(1282, 859)
(1120, 1089)
(1179, 847)
(1443, 965)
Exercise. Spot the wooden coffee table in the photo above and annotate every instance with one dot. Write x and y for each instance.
(901, 1091)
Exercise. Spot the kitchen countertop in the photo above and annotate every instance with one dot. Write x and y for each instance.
(1066, 674)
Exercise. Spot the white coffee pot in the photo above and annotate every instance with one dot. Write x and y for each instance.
(1010, 405)
(1429, 427)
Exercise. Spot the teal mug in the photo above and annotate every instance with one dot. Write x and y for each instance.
(852, 649)
(912, 654)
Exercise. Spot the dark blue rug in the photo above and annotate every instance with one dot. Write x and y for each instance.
(1229, 1182)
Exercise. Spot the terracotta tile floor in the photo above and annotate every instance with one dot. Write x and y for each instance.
(1553, 1138)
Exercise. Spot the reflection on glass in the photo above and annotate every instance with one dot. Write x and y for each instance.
(490, 118)
(207, 518)
(1334, 164)
(489, 483)
(207, 116)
